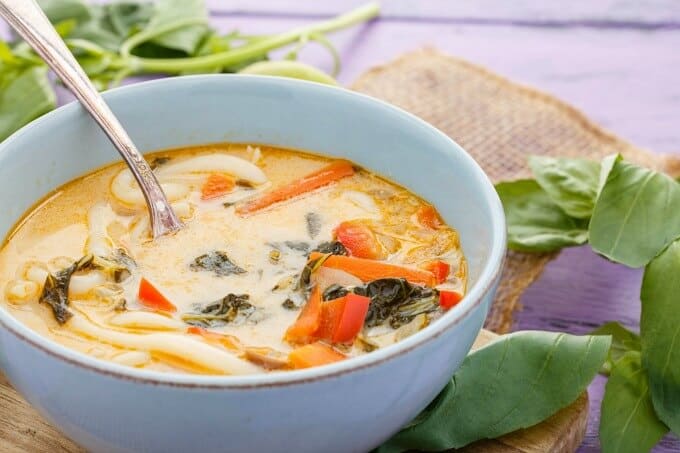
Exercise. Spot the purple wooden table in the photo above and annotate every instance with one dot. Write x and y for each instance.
(616, 60)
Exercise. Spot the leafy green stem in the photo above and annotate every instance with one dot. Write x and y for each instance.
(146, 35)
(252, 50)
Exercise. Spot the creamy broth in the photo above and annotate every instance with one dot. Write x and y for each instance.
(226, 248)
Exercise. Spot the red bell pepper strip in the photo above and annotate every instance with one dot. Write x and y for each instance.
(359, 240)
(150, 297)
(343, 318)
(449, 299)
(440, 269)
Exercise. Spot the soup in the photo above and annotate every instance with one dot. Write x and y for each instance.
(287, 260)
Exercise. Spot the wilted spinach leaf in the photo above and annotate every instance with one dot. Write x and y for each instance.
(217, 262)
(231, 308)
(513, 383)
(118, 266)
(313, 222)
(289, 304)
(628, 423)
(396, 301)
(334, 248)
(334, 291)
(298, 246)
(660, 333)
(159, 161)
(55, 290)
(623, 341)
(571, 183)
(535, 222)
(636, 215)
(305, 280)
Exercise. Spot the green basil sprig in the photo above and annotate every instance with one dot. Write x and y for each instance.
(571, 183)
(173, 37)
(628, 421)
(636, 215)
(535, 222)
(515, 382)
(660, 333)
(623, 341)
(632, 216)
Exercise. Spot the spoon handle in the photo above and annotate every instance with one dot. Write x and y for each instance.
(29, 21)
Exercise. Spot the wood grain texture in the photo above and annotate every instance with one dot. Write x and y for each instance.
(22, 429)
(527, 12)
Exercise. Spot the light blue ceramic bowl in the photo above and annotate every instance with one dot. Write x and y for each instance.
(353, 405)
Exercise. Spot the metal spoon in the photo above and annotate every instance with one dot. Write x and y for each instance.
(29, 21)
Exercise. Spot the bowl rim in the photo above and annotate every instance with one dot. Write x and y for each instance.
(488, 278)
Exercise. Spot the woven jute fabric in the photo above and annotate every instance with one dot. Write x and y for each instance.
(499, 123)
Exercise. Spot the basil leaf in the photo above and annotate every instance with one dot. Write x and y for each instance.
(24, 96)
(636, 215)
(128, 18)
(178, 25)
(61, 10)
(660, 333)
(213, 43)
(628, 423)
(535, 222)
(570, 183)
(623, 341)
(513, 383)
(605, 168)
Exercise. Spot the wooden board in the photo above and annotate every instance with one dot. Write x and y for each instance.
(22, 429)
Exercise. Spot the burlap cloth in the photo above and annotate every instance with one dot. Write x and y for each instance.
(499, 123)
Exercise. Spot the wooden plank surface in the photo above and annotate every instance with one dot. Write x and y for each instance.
(656, 13)
(22, 429)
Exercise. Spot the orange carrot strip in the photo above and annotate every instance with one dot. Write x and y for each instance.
(150, 297)
(314, 354)
(216, 185)
(328, 174)
(368, 270)
(228, 341)
(428, 216)
(308, 322)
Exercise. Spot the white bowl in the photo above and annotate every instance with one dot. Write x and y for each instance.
(352, 405)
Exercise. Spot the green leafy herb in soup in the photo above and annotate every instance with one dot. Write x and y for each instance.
(287, 260)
